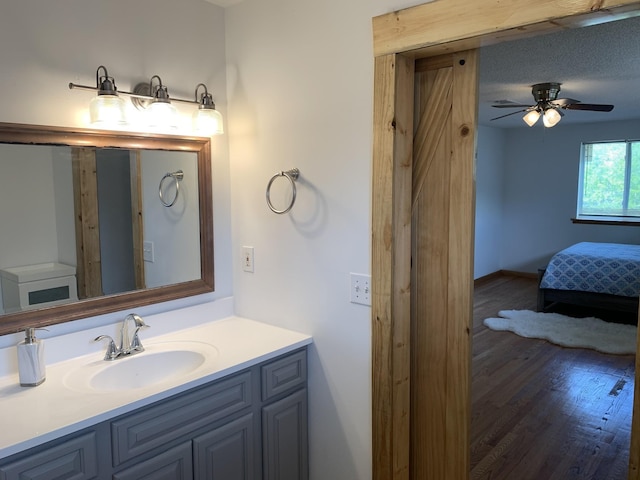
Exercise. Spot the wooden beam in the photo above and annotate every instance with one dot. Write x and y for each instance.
(460, 278)
(391, 266)
(445, 26)
(85, 191)
(137, 225)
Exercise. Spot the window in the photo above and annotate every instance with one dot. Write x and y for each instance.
(609, 185)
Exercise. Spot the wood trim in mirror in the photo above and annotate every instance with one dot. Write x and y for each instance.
(45, 135)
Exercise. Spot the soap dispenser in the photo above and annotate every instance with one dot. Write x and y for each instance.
(31, 366)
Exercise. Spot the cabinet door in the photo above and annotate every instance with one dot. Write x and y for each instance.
(174, 464)
(227, 452)
(284, 438)
(75, 459)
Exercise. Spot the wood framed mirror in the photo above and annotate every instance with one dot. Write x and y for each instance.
(170, 252)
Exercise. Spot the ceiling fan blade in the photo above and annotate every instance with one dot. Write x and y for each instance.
(594, 107)
(510, 105)
(509, 114)
(564, 101)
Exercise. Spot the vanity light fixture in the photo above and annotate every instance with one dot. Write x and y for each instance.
(159, 111)
(107, 108)
(207, 119)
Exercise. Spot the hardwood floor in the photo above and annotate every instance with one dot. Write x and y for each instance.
(540, 411)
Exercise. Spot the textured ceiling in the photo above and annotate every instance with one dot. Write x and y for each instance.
(596, 64)
(224, 3)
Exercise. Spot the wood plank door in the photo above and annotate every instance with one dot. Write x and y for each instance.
(442, 264)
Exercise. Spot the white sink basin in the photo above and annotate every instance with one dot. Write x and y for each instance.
(159, 364)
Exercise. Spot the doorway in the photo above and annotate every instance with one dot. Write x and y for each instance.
(400, 38)
(539, 167)
(108, 206)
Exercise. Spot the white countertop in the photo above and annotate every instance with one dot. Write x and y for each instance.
(30, 416)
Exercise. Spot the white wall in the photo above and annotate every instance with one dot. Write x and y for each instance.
(45, 45)
(300, 82)
(300, 95)
(27, 214)
(63, 194)
(540, 191)
(174, 231)
(489, 200)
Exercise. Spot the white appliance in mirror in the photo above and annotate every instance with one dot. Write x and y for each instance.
(36, 286)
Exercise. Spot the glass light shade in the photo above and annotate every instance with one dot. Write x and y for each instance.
(162, 115)
(107, 110)
(208, 121)
(551, 117)
(531, 118)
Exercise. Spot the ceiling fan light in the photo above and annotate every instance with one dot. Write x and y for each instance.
(551, 117)
(531, 117)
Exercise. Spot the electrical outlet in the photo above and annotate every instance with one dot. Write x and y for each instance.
(148, 254)
(361, 289)
(247, 259)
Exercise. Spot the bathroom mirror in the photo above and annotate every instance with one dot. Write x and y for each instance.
(85, 230)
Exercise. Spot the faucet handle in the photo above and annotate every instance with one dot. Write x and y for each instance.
(136, 344)
(137, 319)
(112, 351)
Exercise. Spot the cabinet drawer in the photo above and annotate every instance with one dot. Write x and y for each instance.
(174, 464)
(74, 459)
(135, 434)
(284, 374)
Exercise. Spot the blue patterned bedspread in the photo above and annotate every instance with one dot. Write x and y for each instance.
(595, 267)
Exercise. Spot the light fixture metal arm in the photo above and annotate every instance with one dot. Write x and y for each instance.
(129, 94)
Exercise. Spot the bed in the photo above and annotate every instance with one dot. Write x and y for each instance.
(595, 275)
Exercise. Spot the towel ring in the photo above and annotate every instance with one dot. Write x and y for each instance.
(292, 175)
(176, 176)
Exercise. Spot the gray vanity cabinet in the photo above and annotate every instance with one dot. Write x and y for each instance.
(74, 457)
(173, 464)
(227, 452)
(284, 418)
(251, 425)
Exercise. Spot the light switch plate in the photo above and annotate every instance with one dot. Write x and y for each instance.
(247, 259)
(361, 289)
(148, 255)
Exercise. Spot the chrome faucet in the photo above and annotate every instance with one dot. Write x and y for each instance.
(129, 344)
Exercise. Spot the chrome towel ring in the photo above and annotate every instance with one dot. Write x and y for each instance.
(292, 175)
(177, 176)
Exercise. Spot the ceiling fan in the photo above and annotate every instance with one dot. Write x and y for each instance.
(549, 106)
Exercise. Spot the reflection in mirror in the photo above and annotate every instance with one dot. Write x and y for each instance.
(85, 230)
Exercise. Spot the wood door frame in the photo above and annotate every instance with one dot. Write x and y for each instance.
(87, 225)
(399, 38)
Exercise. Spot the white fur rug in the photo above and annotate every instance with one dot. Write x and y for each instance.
(589, 332)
